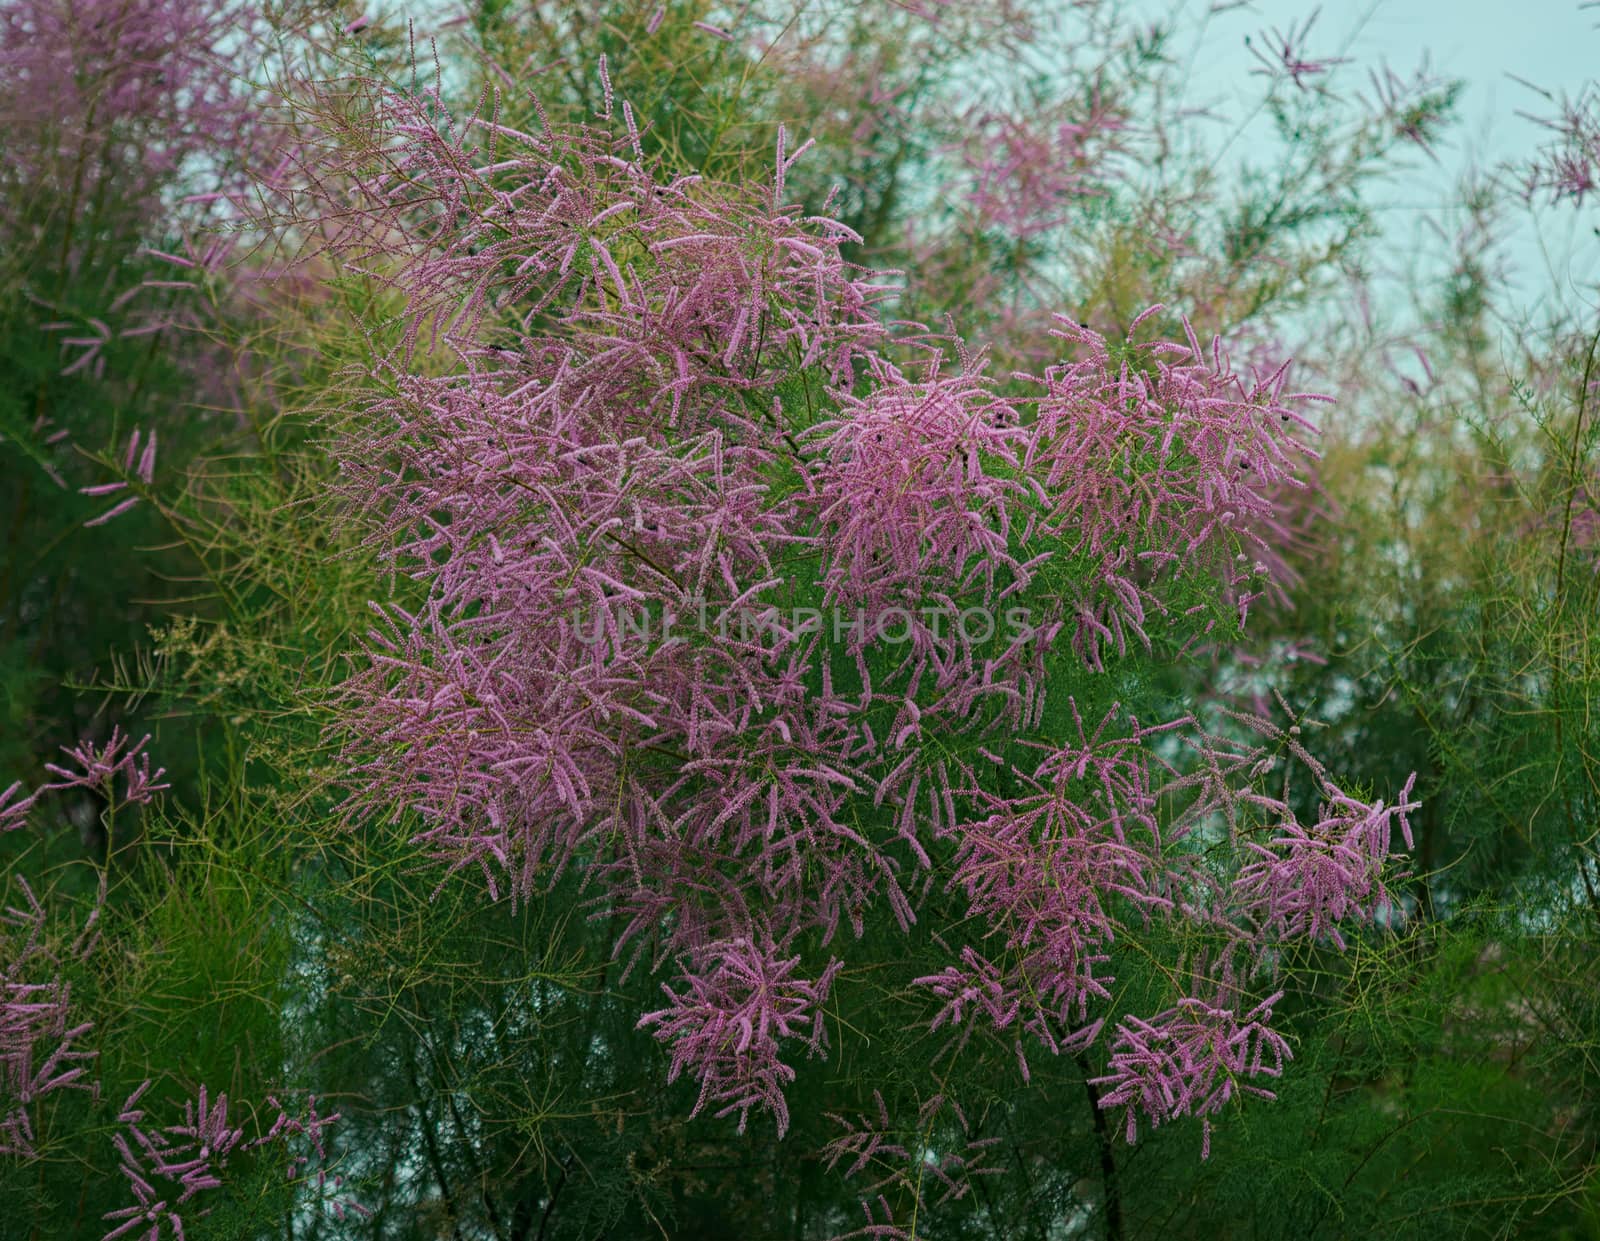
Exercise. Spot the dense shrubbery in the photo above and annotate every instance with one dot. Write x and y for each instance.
(670, 620)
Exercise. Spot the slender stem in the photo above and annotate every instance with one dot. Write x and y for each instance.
(1572, 465)
(1558, 659)
(544, 1220)
(430, 1143)
(14, 542)
(465, 1141)
(1108, 1160)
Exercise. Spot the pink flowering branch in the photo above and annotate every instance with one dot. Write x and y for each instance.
(14, 809)
(742, 1002)
(142, 470)
(1305, 881)
(97, 767)
(171, 1170)
(1569, 166)
(1191, 1060)
(40, 1043)
(1285, 54)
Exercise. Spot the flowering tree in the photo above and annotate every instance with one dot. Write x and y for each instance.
(670, 403)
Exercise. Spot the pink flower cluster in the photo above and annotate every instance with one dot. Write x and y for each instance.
(1306, 880)
(1042, 869)
(40, 1044)
(612, 389)
(14, 810)
(144, 470)
(725, 1028)
(1191, 1060)
(167, 1168)
(1569, 166)
(97, 767)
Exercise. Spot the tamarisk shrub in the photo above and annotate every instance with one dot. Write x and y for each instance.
(701, 572)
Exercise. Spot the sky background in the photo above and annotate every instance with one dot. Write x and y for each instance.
(1552, 43)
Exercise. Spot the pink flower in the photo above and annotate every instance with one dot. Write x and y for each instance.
(1191, 1060)
(39, 1051)
(98, 768)
(727, 1028)
(1309, 880)
(13, 809)
(170, 1169)
(1286, 54)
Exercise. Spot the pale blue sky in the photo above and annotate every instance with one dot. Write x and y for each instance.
(1554, 43)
